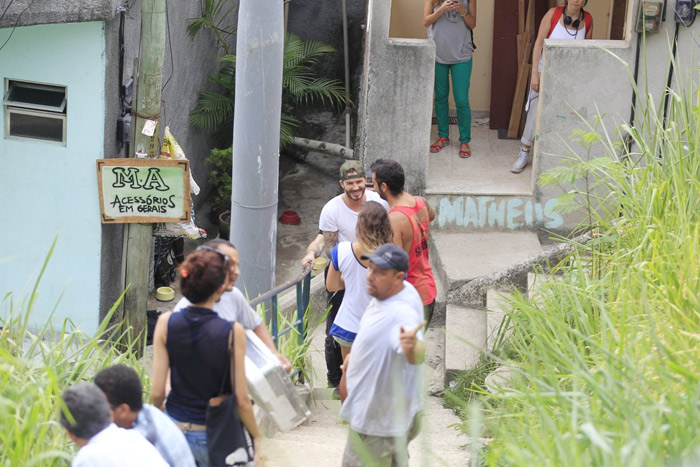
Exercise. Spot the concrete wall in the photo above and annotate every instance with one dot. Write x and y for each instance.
(323, 21)
(49, 189)
(395, 109)
(111, 286)
(582, 79)
(186, 72)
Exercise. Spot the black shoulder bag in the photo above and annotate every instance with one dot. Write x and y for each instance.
(228, 441)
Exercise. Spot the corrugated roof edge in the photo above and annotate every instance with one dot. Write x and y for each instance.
(56, 11)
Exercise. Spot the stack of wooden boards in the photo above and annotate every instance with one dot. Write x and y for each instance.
(526, 39)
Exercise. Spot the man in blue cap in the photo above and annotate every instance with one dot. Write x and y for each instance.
(381, 387)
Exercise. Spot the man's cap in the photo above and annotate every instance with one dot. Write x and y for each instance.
(389, 256)
(351, 166)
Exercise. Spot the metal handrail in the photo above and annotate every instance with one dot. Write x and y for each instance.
(303, 292)
(280, 288)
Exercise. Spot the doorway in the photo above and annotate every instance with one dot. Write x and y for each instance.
(492, 93)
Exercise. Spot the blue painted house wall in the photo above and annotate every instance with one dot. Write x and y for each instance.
(49, 189)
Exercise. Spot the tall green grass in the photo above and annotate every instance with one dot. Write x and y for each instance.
(34, 370)
(607, 358)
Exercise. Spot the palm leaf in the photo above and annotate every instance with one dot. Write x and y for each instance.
(213, 109)
(194, 25)
(298, 52)
(287, 126)
(300, 85)
(226, 78)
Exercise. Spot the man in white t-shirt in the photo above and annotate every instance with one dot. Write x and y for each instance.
(122, 386)
(101, 442)
(382, 382)
(336, 224)
(233, 306)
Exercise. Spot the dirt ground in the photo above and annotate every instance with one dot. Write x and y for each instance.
(305, 188)
(306, 183)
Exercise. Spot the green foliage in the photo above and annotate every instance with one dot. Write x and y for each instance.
(34, 370)
(300, 87)
(606, 358)
(293, 345)
(214, 17)
(220, 178)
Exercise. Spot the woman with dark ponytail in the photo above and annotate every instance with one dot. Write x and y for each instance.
(198, 347)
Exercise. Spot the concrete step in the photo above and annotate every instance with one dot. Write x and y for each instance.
(498, 379)
(434, 374)
(474, 212)
(465, 337)
(496, 306)
(462, 257)
(441, 297)
(536, 283)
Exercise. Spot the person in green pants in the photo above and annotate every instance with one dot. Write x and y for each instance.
(450, 24)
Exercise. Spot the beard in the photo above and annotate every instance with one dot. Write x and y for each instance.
(355, 196)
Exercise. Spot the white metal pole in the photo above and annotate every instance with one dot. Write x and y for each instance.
(256, 129)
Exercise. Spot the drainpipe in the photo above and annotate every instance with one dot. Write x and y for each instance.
(332, 149)
(256, 129)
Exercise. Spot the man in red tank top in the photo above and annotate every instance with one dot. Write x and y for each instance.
(410, 217)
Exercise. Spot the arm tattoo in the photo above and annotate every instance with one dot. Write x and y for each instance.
(330, 239)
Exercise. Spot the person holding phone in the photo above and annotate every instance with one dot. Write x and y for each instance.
(450, 25)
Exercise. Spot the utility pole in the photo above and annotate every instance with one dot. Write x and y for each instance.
(147, 107)
(256, 130)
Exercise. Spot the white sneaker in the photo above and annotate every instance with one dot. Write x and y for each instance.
(521, 162)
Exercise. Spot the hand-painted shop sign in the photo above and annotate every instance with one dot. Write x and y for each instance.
(143, 190)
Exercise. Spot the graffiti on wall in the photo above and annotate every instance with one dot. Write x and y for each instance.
(486, 211)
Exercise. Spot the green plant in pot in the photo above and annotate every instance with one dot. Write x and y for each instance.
(220, 180)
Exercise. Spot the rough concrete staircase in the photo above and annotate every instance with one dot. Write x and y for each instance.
(461, 260)
(484, 241)
(479, 283)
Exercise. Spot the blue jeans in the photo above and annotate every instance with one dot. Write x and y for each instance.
(197, 439)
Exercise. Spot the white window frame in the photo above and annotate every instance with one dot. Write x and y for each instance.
(38, 110)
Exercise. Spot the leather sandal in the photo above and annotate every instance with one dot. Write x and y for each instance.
(439, 144)
(464, 153)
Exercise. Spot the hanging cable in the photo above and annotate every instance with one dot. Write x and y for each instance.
(16, 22)
(667, 91)
(6, 8)
(170, 46)
(640, 36)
